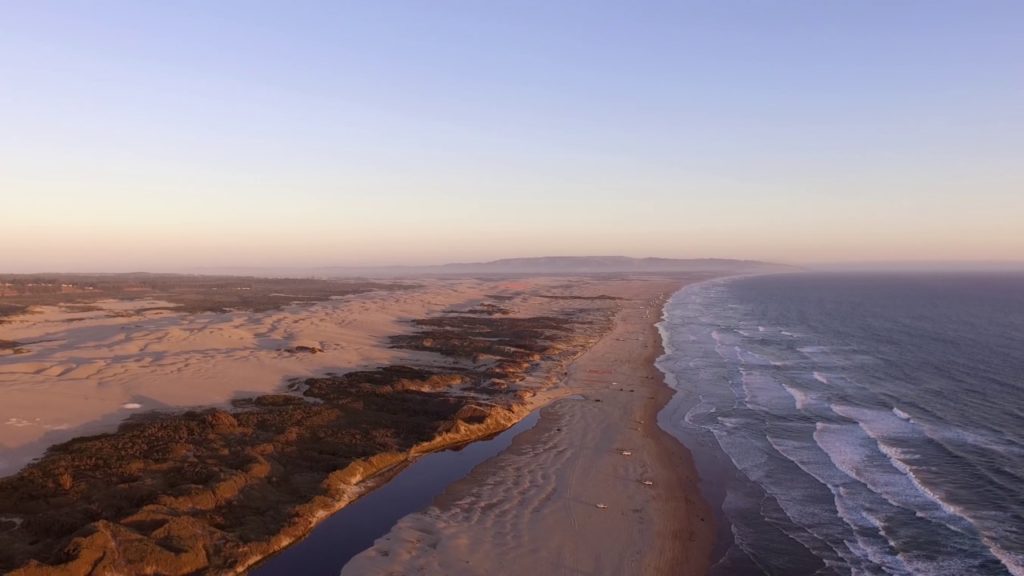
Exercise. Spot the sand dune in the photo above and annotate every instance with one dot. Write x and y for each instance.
(81, 368)
(595, 487)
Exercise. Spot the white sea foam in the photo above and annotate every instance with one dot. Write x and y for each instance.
(947, 436)
(749, 357)
(802, 398)
(848, 498)
(877, 466)
(896, 457)
(963, 522)
(881, 428)
(857, 455)
(849, 507)
(699, 409)
(901, 414)
(813, 349)
(1014, 562)
(891, 564)
(764, 393)
(745, 455)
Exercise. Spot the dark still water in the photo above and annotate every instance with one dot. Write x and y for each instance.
(855, 424)
(354, 528)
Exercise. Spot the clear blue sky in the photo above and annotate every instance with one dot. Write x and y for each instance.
(160, 135)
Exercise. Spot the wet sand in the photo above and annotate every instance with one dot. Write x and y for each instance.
(564, 498)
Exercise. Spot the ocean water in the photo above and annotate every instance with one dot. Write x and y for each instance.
(855, 424)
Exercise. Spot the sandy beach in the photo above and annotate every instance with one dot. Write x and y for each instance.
(595, 488)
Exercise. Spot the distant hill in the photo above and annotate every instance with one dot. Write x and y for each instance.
(563, 265)
(541, 265)
(597, 264)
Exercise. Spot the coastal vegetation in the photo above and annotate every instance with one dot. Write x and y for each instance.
(186, 293)
(218, 489)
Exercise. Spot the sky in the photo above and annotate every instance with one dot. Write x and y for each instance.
(170, 135)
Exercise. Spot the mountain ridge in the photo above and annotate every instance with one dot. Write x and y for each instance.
(527, 265)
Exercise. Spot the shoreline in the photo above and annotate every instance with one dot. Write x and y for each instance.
(707, 459)
(712, 474)
(678, 452)
(570, 493)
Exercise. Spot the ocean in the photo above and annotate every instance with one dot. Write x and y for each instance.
(855, 424)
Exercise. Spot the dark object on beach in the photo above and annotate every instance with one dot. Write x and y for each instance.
(304, 349)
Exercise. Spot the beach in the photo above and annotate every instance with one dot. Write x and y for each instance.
(594, 486)
(570, 495)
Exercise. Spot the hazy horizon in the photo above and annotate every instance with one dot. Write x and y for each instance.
(881, 266)
(195, 135)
